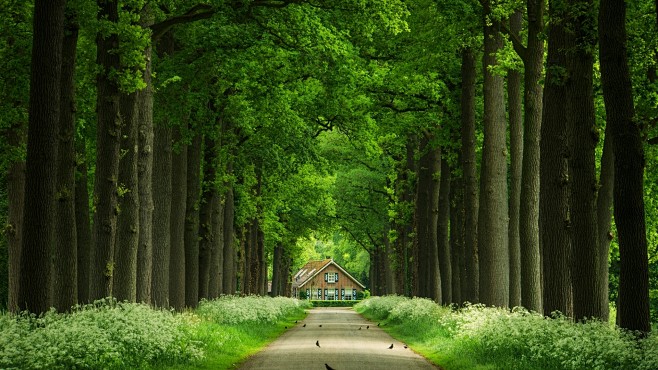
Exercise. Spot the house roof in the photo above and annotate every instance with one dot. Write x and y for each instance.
(312, 268)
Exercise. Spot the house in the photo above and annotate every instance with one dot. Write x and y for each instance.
(325, 280)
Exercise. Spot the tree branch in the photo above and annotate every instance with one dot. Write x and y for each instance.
(521, 50)
(197, 12)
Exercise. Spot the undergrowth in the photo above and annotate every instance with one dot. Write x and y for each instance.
(478, 337)
(117, 335)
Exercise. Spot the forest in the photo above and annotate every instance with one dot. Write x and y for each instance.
(502, 152)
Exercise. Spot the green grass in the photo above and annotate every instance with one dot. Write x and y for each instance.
(477, 337)
(227, 345)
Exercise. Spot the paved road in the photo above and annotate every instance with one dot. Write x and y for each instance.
(342, 346)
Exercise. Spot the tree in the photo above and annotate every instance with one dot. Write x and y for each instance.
(629, 168)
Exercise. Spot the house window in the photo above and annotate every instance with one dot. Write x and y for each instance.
(336, 294)
(354, 294)
(326, 294)
(331, 277)
(319, 294)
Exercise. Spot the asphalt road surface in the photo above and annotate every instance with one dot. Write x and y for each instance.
(342, 346)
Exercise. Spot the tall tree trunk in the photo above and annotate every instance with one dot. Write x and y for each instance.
(65, 253)
(629, 169)
(471, 281)
(127, 239)
(15, 202)
(162, 200)
(206, 232)
(604, 219)
(277, 273)
(427, 198)
(192, 222)
(515, 107)
(457, 235)
(230, 274)
(216, 260)
(442, 233)
(83, 221)
(554, 219)
(40, 177)
(533, 60)
(145, 174)
(492, 229)
(178, 204)
(583, 136)
(262, 264)
(108, 142)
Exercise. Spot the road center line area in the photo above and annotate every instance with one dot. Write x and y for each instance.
(336, 338)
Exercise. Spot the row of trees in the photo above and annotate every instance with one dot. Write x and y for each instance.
(215, 135)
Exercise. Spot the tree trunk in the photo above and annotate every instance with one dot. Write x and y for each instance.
(108, 142)
(529, 216)
(427, 198)
(83, 222)
(206, 232)
(629, 169)
(230, 274)
(127, 239)
(493, 222)
(162, 200)
(554, 219)
(15, 202)
(40, 177)
(442, 234)
(192, 222)
(604, 219)
(145, 174)
(457, 236)
(178, 204)
(515, 107)
(277, 273)
(65, 253)
(216, 261)
(583, 136)
(471, 277)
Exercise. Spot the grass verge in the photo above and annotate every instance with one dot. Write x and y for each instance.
(477, 337)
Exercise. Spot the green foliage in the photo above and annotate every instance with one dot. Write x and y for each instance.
(333, 303)
(499, 338)
(106, 334)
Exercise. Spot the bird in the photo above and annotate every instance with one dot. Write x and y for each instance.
(320, 325)
(368, 327)
(285, 327)
(303, 326)
(405, 346)
(359, 328)
(391, 347)
(328, 367)
(295, 321)
(317, 343)
(377, 324)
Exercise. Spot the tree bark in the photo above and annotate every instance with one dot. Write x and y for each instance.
(533, 60)
(40, 177)
(15, 203)
(515, 107)
(127, 239)
(493, 222)
(629, 169)
(604, 202)
(206, 231)
(83, 222)
(554, 178)
(178, 204)
(229, 284)
(457, 236)
(65, 253)
(107, 158)
(162, 213)
(583, 136)
(145, 182)
(471, 277)
(442, 233)
(192, 222)
(216, 261)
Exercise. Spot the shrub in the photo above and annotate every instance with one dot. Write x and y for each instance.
(235, 310)
(106, 334)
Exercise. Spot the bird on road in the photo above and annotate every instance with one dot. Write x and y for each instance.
(368, 327)
(295, 321)
(391, 347)
(320, 325)
(328, 367)
(303, 326)
(405, 346)
(377, 324)
(359, 328)
(317, 343)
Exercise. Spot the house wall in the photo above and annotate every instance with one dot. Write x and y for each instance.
(343, 282)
